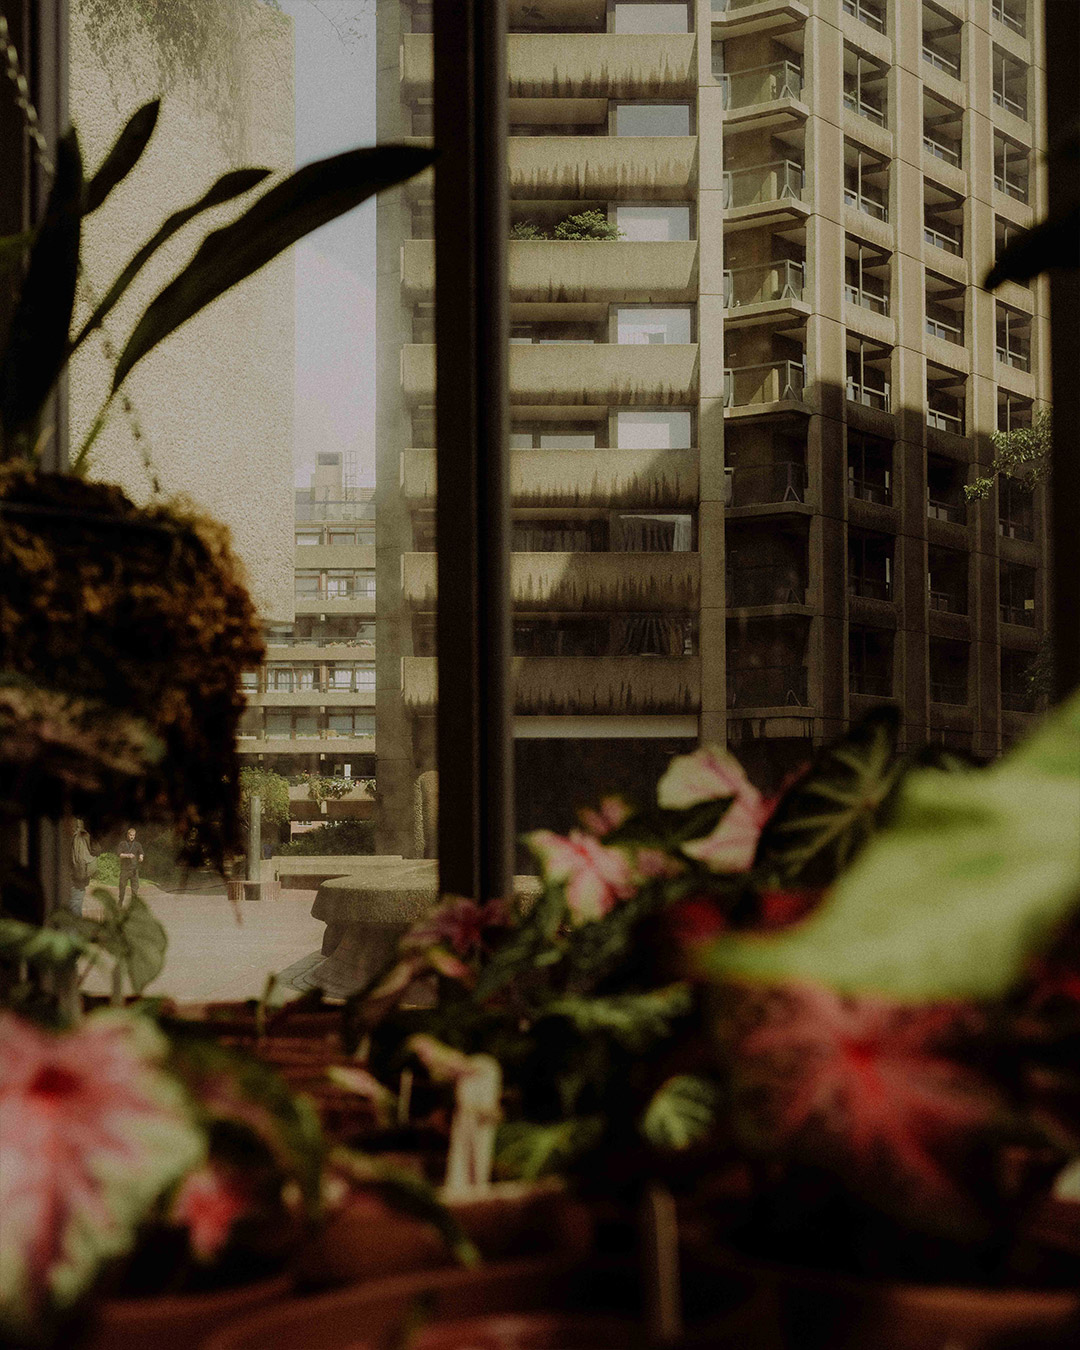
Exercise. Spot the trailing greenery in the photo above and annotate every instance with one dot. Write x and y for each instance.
(1024, 454)
(588, 225)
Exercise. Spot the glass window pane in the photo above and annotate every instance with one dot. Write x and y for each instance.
(652, 119)
(653, 222)
(642, 325)
(631, 16)
(652, 430)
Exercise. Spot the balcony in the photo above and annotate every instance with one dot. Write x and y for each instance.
(768, 484)
(660, 479)
(761, 84)
(869, 588)
(869, 395)
(868, 205)
(600, 375)
(866, 297)
(733, 18)
(1014, 105)
(862, 107)
(751, 587)
(953, 692)
(771, 382)
(762, 184)
(603, 168)
(767, 687)
(763, 284)
(1022, 614)
(948, 602)
(866, 490)
(940, 61)
(949, 153)
(941, 419)
(953, 512)
(949, 241)
(868, 685)
(583, 582)
(868, 12)
(1011, 14)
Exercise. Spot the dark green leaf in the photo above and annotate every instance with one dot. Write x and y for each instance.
(227, 187)
(12, 249)
(42, 946)
(528, 1151)
(311, 197)
(38, 338)
(634, 1020)
(527, 945)
(824, 820)
(123, 157)
(145, 942)
(681, 1112)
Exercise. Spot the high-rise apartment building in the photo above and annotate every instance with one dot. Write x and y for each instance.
(311, 707)
(741, 431)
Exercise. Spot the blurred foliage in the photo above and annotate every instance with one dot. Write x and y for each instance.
(1025, 453)
(272, 788)
(345, 838)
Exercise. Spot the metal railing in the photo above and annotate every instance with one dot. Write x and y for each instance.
(948, 691)
(933, 234)
(878, 301)
(1002, 100)
(870, 111)
(869, 588)
(1023, 614)
(761, 84)
(762, 484)
(1017, 357)
(939, 510)
(761, 283)
(948, 602)
(335, 511)
(945, 421)
(775, 181)
(949, 153)
(998, 10)
(941, 62)
(765, 584)
(356, 591)
(767, 687)
(869, 206)
(1012, 187)
(869, 395)
(865, 14)
(1017, 527)
(770, 382)
(873, 686)
(940, 328)
(320, 642)
(866, 491)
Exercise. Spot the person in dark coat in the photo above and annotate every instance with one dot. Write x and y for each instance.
(131, 855)
(83, 866)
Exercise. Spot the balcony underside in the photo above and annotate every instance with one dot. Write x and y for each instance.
(739, 19)
(580, 478)
(598, 583)
(582, 686)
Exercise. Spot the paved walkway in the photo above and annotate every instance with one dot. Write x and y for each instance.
(218, 952)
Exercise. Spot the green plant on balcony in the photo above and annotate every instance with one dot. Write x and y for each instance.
(587, 225)
(526, 229)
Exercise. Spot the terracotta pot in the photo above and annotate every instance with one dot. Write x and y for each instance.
(811, 1310)
(177, 1321)
(514, 1221)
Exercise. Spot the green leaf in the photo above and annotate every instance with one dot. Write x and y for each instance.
(681, 1113)
(825, 819)
(123, 157)
(37, 340)
(529, 1151)
(228, 187)
(634, 1020)
(969, 881)
(145, 944)
(46, 946)
(528, 945)
(311, 197)
(12, 249)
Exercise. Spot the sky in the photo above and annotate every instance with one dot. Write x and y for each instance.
(335, 267)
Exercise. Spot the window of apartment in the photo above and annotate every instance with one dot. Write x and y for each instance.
(1006, 232)
(869, 378)
(943, 218)
(944, 308)
(870, 662)
(287, 678)
(945, 498)
(765, 463)
(941, 40)
(279, 722)
(652, 119)
(1018, 692)
(866, 181)
(640, 325)
(947, 580)
(866, 275)
(945, 399)
(306, 538)
(757, 283)
(1012, 13)
(869, 12)
(548, 535)
(748, 83)
(660, 430)
(1013, 411)
(1013, 337)
(1016, 508)
(1012, 167)
(423, 117)
(661, 16)
(768, 666)
(658, 222)
(865, 85)
(554, 334)
(1010, 83)
(349, 722)
(251, 724)
(870, 564)
(1016, 594)
(869, 468)
(948, 671)
(943, 129)
(350, 677)
(249, 680)
(766, 567)
(306, 582)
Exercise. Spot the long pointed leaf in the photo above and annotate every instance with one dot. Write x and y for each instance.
(227, 187)
(123, 157)
(38, 337)
(311, 197)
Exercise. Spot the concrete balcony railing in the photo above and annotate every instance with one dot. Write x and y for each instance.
(587, 686)
(761, 84)
(768, 484)
(779, 180)
(767, 687)
(764, 283)
(771, 382)
(562, 271)
(603, 168)
(576, 65)
(599, 376)
(659, 479)
(598, 582)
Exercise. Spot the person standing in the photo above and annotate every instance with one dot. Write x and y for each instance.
(131, 855)
(83, 866)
